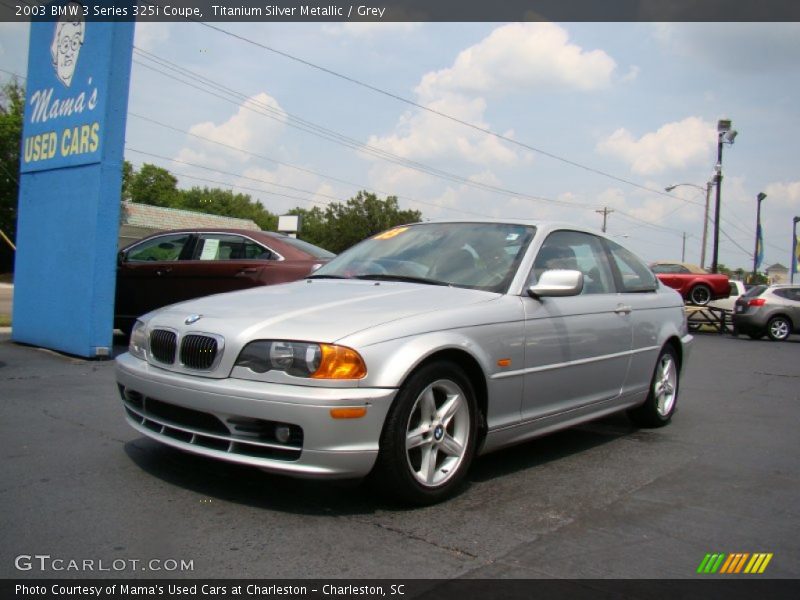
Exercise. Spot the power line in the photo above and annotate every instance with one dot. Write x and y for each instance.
(320, 131)
(301, 169)
(207, 168)
(428, 109)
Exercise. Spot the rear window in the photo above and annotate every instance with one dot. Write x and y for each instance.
(754, 291)
(311, 249)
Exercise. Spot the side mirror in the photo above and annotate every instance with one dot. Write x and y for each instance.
(120, 258)
(557, 283)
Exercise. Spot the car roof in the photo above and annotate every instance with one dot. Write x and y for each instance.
(541, 224)
(280, 241)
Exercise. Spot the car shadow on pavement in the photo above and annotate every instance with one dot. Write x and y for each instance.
(554, 447)
(251, 487)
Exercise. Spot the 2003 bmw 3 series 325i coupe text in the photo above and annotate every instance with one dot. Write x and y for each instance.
(410, 353)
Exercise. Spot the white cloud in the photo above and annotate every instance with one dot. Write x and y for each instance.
(424, 136)
(673, 146)
(149, 36)
(518, 58)
(784, 194)
(521, 57)
(248, 129)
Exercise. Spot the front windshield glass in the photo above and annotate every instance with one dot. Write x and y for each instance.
(482, 256)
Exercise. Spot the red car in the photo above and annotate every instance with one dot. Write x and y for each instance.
(178, 265)
(696, 285)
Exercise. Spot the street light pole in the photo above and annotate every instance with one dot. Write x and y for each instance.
(709, 184)
(707, 191)
(725, 135)
(756, 261)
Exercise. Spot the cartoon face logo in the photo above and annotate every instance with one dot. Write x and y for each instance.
(67, 42)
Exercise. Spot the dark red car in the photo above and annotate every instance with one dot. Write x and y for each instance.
(178, 265)
(696, 285)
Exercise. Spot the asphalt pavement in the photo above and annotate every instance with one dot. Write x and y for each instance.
(605, 500)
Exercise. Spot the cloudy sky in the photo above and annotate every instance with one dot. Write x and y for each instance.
(584, 116)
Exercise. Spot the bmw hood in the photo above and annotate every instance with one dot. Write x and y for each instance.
(317, 310)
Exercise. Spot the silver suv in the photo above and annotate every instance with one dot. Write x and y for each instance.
(772, 311)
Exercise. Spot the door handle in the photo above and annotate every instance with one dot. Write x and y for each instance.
(163, 271)
(623, 310)
(246, 272)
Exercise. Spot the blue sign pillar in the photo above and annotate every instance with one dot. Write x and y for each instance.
(70, 183)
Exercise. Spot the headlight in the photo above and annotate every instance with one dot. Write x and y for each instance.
(302, 359)
(138, 345)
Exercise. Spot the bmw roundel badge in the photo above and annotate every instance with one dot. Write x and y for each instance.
(192, 319)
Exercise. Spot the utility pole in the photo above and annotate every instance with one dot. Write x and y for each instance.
(683, 248)
(605, 212)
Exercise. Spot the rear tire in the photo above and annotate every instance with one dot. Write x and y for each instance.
(779, 328)
(700, 295)
(662, 400)
(429, 438)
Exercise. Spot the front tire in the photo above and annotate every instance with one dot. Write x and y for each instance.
(779, 328)
(662, 400)
(430, 435)
(700, 295)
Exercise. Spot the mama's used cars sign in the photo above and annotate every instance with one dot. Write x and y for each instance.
(70, 178)
(67, 91)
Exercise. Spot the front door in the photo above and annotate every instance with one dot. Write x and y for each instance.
(577, 349)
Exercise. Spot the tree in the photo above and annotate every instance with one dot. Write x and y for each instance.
(151, 185)
(340, 226)
(216, 201)
(127, 175)
(12, 108)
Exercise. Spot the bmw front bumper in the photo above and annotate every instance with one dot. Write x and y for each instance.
(280, 428)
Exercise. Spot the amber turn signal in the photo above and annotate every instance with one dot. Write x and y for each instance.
(339, 362)
(355, 412)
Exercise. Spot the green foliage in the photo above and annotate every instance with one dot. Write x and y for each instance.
(158, 187)
(224, 202)
(335, 227)
(338, 226)
(12, 107)
(151, 185)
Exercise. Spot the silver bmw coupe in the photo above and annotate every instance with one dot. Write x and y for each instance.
(410, 353)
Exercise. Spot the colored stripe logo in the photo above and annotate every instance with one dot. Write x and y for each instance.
(732, 564)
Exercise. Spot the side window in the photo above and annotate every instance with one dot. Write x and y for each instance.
(162, 248)
(256, 251)
(580, 252)
(222, 246)
(788, 293)
(636, 277)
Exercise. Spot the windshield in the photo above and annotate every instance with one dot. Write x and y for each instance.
(482, 256)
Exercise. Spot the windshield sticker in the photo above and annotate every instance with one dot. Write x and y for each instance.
(387, 235)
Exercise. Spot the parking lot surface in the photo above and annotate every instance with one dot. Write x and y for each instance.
(598, 501)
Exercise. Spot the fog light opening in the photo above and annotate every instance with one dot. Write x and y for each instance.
(283, 433)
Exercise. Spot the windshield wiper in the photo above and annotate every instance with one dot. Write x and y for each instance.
(326, 277)
(405, 278)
